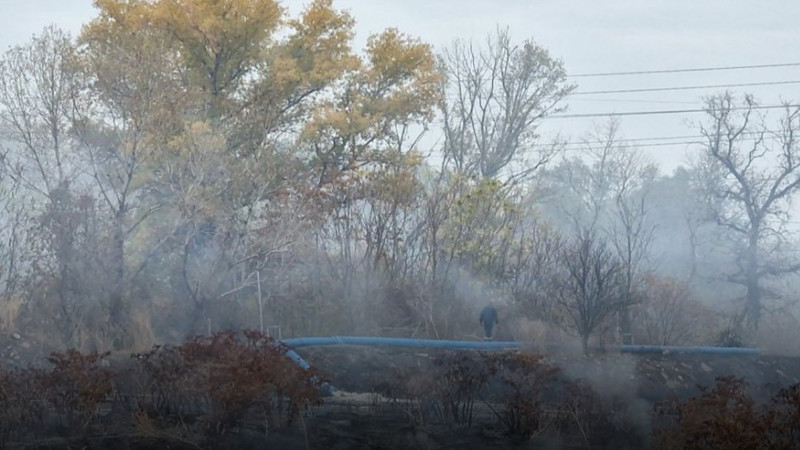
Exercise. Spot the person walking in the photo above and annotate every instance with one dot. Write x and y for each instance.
(488, 319)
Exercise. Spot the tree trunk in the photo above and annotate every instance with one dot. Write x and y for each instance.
(585, 343)
(116, 301)
(752, 306)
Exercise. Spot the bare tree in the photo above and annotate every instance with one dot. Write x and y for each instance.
(668, 315)
(592, 286)
(495, 99)
(13, 258)
(37, 90)
(127, 111)
(613, 191)
(754, 173)
(532, 269)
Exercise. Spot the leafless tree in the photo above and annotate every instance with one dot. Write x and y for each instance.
(13, 258)
(612, 183)
(754, 172)
(532, 269)
(37, 90)
(668, 315)
(591, 287)
(496, 97)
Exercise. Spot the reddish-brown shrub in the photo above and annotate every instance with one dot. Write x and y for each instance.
(727, 417)
(213, 382)
(75, 387)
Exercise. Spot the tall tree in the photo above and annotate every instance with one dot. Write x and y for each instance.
(220, 42)
(611, 184)
(591, 286)
(496, 97)
(753, 173)
(14, 260)
(378, 110)
(133, 101)
(40, 88)
(37, 93)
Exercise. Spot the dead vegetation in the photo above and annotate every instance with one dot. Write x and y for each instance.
(197, 393)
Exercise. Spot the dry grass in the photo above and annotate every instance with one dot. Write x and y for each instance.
(10, 311)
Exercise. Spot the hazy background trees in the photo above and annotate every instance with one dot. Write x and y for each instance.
(752, 174)
(181, 167)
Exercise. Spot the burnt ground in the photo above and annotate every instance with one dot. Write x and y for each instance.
(359, 416)
(652, 377)
(647, 382)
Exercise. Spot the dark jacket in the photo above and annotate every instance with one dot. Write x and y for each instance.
(488, 316)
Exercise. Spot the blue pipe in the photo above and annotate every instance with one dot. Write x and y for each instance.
(397, 342)
(689, 350)
(498, 345)
(327, 388)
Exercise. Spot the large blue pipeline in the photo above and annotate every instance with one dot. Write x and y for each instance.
(488, 345)
(500, 345)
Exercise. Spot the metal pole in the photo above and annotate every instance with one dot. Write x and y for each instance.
(260, 303)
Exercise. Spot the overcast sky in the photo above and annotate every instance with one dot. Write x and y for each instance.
(589, 36)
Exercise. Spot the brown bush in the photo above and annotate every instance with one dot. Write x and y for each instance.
(523, 377)
(727, 417)
(597, 420)
(463, 376)
(75, 387)
(212, 383)
(414, 394)
(445, 392)
(22, 409)
(785, 416)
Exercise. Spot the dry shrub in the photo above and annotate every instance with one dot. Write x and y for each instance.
(785, 416)
(160, 373)
(604, 421)
(462, 377)
(727, 417)
(68, 396)
(10, 310)
(523, 377)
(669, 315)
(445, 392)
(76, 387)
(414, 394)
(22, 409)
(212, 383)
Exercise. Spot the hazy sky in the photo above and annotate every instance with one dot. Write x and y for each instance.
(589, 36)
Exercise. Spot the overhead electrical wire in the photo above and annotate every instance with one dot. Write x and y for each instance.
(657, 112)
(578, 146)
(619, 100)
(700, 69)
(650, 144)
(667, 140)
(647, 141)
(685, 88)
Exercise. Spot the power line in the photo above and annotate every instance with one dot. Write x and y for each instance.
(578, 146)
(626, 140)
(665, 140)
(702, 69)
(650, 144)
(655, 112)
(686, 88)
(629, 100)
